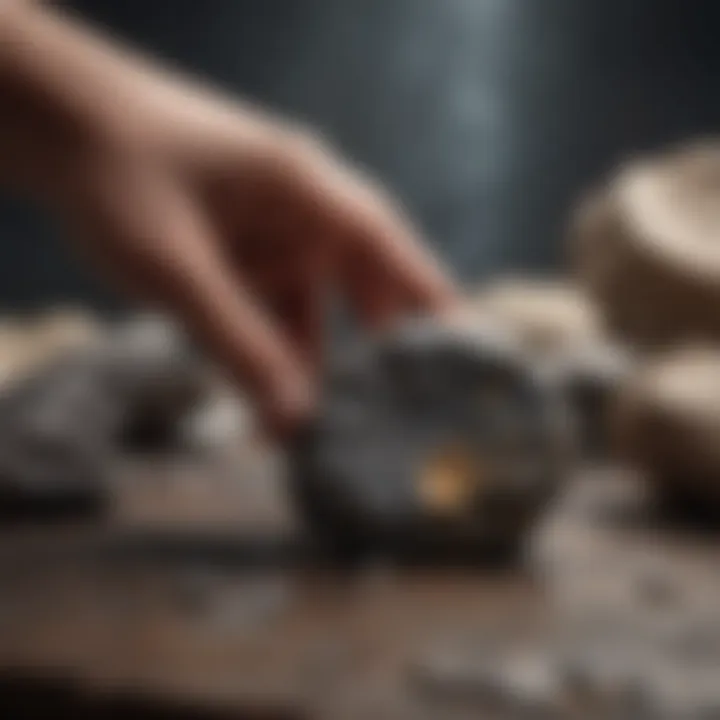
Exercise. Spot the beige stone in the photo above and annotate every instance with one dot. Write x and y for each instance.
(667, 421)
(647, 246)
(549, 315)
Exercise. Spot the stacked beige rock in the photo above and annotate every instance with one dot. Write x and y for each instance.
(667, 421)
(647, 247)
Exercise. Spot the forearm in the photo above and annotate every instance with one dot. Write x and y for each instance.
(64, 90)
(67, 91)
(39, 117)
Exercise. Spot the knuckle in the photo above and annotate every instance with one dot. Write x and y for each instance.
(305, 141)
(299, 165)
(303, 149)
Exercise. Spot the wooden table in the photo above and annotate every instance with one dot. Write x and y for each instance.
(188, 600)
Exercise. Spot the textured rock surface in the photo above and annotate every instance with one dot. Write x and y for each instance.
(645, 246)
(436, 439)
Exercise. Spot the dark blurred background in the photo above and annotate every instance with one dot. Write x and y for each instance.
(486, 117)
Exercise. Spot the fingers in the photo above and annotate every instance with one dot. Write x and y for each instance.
(390, 258)
(371, 293)
(239, 333)
(297, 307)
(163, 245)
(384, 267)
(225, 317)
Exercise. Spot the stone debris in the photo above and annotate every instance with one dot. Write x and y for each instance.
(633, 606)
(507, 682)
(615, 674)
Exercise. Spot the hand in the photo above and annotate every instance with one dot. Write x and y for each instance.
(234, 221)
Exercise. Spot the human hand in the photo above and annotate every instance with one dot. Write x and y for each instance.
(233, 220)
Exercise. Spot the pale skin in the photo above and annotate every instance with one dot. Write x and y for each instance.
(228, 217)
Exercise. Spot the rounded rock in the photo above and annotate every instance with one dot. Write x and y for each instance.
(667, 421)
(645, 247)
(426, 466)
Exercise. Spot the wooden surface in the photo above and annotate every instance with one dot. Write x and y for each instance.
(177, 597)
(169, 603)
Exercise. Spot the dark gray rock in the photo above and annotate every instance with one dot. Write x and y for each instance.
(439, 440)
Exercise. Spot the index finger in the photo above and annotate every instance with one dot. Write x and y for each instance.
(384, 263)
(386, 258)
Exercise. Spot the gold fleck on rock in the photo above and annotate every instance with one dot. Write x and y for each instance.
(450, 480)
